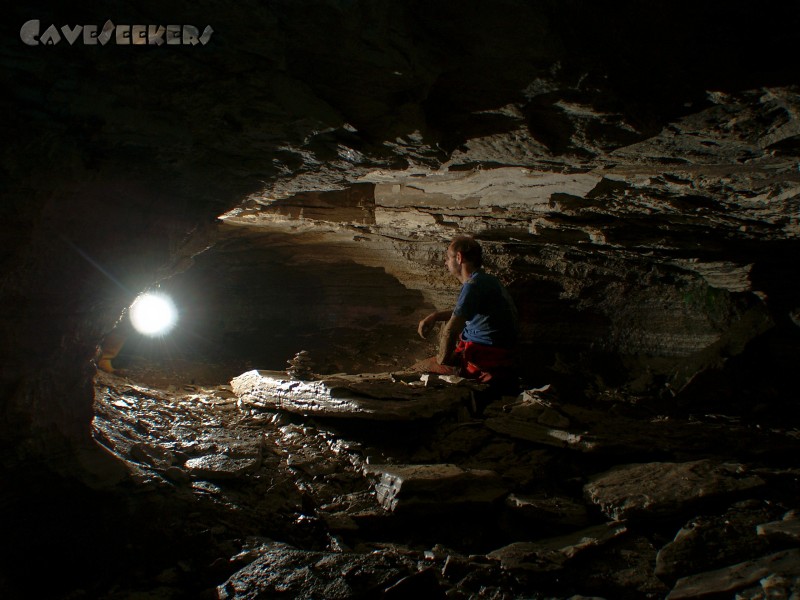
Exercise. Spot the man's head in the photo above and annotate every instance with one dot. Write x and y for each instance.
(463, 250)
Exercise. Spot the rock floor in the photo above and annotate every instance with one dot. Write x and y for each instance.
(527, 497)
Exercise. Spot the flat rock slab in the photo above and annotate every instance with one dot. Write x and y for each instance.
(376, 396)
(737, 577)
(407, 487)
(551, 554)
(663, 489)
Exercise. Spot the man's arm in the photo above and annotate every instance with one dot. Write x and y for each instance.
(425, 325)
(449, 340)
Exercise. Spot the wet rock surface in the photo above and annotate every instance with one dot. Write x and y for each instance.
(283, 570)
(321, 506)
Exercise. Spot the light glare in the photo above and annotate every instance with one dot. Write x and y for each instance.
(153, 314)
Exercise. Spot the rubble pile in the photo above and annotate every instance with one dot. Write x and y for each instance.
(301, 366)
(451, 503)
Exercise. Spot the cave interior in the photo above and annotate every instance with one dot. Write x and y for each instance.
(632, 173)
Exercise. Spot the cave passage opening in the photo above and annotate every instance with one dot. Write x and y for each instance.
(249, 302)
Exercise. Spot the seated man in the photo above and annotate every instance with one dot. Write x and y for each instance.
(480, 334)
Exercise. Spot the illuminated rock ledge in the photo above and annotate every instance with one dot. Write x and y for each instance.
(378, 396)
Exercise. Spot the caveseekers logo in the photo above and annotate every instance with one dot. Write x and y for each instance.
(123, 35)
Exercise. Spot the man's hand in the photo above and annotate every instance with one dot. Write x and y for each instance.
(425, 325)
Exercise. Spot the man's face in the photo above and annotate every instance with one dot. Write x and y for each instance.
(451, 261)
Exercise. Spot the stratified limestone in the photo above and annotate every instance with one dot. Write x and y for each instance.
(737, 577)
(663, 489)
(368, 396)
(404, 487)
(552, 554)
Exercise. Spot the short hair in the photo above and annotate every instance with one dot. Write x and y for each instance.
(470, 249)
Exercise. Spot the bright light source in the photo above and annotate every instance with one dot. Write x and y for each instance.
(153, 314)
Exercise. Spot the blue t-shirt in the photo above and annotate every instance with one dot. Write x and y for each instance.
(489, 311)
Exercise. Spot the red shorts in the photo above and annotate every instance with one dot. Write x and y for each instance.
(485, 363)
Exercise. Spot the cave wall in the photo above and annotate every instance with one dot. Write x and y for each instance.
(644, 321)
(632, 171)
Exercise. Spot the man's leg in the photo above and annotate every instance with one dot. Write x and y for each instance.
(431, 365)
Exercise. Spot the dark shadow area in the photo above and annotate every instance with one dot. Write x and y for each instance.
(758, 386)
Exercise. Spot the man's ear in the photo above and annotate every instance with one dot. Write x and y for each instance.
(459, 258)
